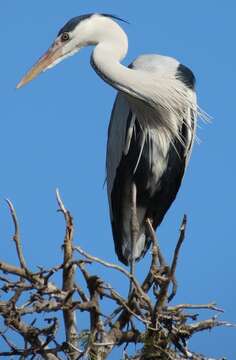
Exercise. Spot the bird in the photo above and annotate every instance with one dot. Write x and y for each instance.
(152, 126)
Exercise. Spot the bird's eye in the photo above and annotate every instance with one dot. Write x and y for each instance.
(65, 36)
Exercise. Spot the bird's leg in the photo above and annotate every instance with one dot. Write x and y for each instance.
(134, 229)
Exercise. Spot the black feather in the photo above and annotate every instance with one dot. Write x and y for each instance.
(72, 23)
(186, 76)
(155, 196)
(115, 18)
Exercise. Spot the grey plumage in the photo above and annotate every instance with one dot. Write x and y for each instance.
(154, 161)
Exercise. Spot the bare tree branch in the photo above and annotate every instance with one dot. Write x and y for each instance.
(68, 274)
(16, 236)
(211, 306)
(161, 330)
(175, 258)
(116, 267)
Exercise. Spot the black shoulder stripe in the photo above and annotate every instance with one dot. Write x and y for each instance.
(186, 76)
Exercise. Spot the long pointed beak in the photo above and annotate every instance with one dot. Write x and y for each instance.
(52, 56)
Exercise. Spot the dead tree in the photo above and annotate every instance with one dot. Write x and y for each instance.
(145, 317)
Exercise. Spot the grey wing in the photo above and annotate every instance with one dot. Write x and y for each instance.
(118, 142)
(120, 135)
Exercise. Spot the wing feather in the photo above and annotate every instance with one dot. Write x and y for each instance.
(118, 142)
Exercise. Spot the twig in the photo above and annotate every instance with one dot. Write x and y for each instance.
(104, 344)
(104, 263)
(206, 324)
(16, 236)
(81, 293)
(52, 271)
(178, 246)
(14, 270)
(68, 274)
(118, 298)
(210, 306)
(175, 258)
(115, 267)
(75, 348)
(48, 354)
(8, 342)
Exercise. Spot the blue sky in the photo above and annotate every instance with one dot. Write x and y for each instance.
(53, 134)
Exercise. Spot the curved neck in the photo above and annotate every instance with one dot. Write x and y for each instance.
(107, 55)
(157, 89)
(111, 47)
(106, 59)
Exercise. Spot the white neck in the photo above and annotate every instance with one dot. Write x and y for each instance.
(111, 48)
(106, 59)
(157, 90)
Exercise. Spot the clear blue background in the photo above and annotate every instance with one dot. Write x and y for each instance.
(53, 134)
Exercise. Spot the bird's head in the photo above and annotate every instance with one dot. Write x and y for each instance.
(78, 32)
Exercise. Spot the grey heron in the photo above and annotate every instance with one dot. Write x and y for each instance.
(151, 131)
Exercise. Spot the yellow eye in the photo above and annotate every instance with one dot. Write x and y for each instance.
(65, 36)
